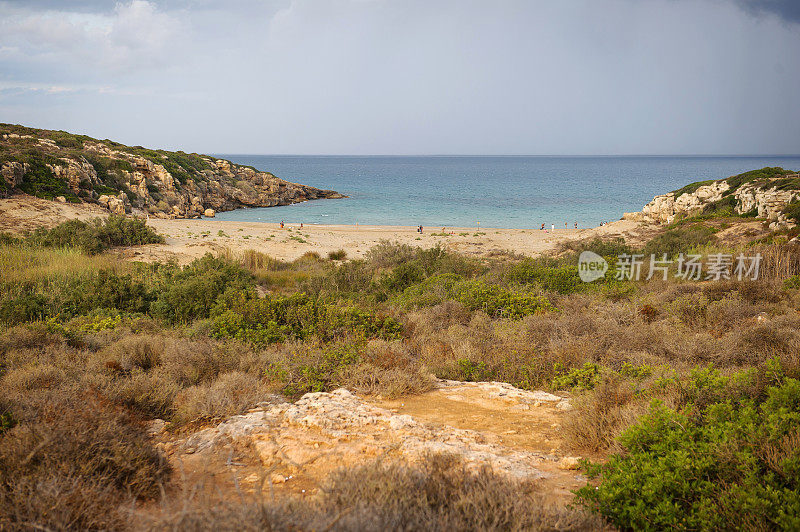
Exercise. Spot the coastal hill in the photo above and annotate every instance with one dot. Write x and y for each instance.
(80, 169)
(769, 193)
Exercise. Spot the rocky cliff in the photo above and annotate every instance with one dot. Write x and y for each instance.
(769, 193)
(77, 168)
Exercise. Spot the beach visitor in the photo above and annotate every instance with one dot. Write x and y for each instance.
(281, 224)
(576, 225)
(552, 227)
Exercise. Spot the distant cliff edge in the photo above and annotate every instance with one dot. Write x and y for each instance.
(75, 168)
(769, 193)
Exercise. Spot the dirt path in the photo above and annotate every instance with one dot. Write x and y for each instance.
(504, 417)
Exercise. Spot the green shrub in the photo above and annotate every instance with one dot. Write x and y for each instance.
(754, 175)
(191, 292)
(39, 181)
(472, 371)
(475, 295)
(726, 466)
(585, 377)
(561, 279)
(792, 283)
(23, 308)
(680, 239)
(7, 421)
(98, 235)
(319, 374)
(792, 211)
(267, 320)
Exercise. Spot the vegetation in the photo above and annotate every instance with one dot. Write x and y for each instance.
(438, 494)
(727, 459)
(687, 391)
(768, 177)
(97, 235)
(112, 170)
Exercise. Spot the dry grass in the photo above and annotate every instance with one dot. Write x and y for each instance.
(21, 263)
(438, 494)
(73, 465)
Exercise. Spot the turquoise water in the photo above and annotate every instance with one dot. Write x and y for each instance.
(514, 192)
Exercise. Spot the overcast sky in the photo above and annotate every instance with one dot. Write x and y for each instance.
(408, 76)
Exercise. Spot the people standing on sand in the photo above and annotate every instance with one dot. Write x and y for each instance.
(542, 229)
(281, 224)
(576, 225)
(301, 225)
(566, 226)
(552, 227)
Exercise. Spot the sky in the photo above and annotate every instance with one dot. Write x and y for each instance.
(532, 77)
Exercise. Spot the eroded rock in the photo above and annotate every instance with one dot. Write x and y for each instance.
(325, 431)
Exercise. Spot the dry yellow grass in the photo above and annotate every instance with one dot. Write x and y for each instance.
(20, 263)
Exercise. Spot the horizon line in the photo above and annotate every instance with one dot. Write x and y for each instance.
(697, 155)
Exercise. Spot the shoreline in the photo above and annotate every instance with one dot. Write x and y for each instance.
(190, 238)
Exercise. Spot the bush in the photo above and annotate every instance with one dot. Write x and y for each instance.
(75, 296)
(475, 294)
(191, 292)
(74, 465)
(729, 465)
(561, 279)
(39, 180)
(231, 393)
(681, 239)
(98, 235)
(339, 254)
(268, 320)
(438, 494)
(584, 378)
(792, 283)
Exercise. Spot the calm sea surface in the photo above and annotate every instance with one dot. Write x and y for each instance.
(515, 192)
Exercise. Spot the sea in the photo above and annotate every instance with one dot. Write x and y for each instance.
(491, 191)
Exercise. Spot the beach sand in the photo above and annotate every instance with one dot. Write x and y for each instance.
(187, 239)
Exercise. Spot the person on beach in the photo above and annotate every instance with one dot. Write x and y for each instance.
(576, 225)
(553, 227)
(281, 224)
(301, 225)
(566, 226)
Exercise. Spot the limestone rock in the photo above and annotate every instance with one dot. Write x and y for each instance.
(569, 463)
(209, 213)
(325, 431)
(762, 197)
(13, 172)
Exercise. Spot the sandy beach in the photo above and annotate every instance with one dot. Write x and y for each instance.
(187, 239)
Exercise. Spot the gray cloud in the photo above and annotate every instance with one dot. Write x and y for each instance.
(786, 9)
(407, 76)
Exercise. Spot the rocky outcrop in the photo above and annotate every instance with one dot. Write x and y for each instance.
(123, 179)
(762, 197)
(13, 172)
(768, 203)
(325, 431)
